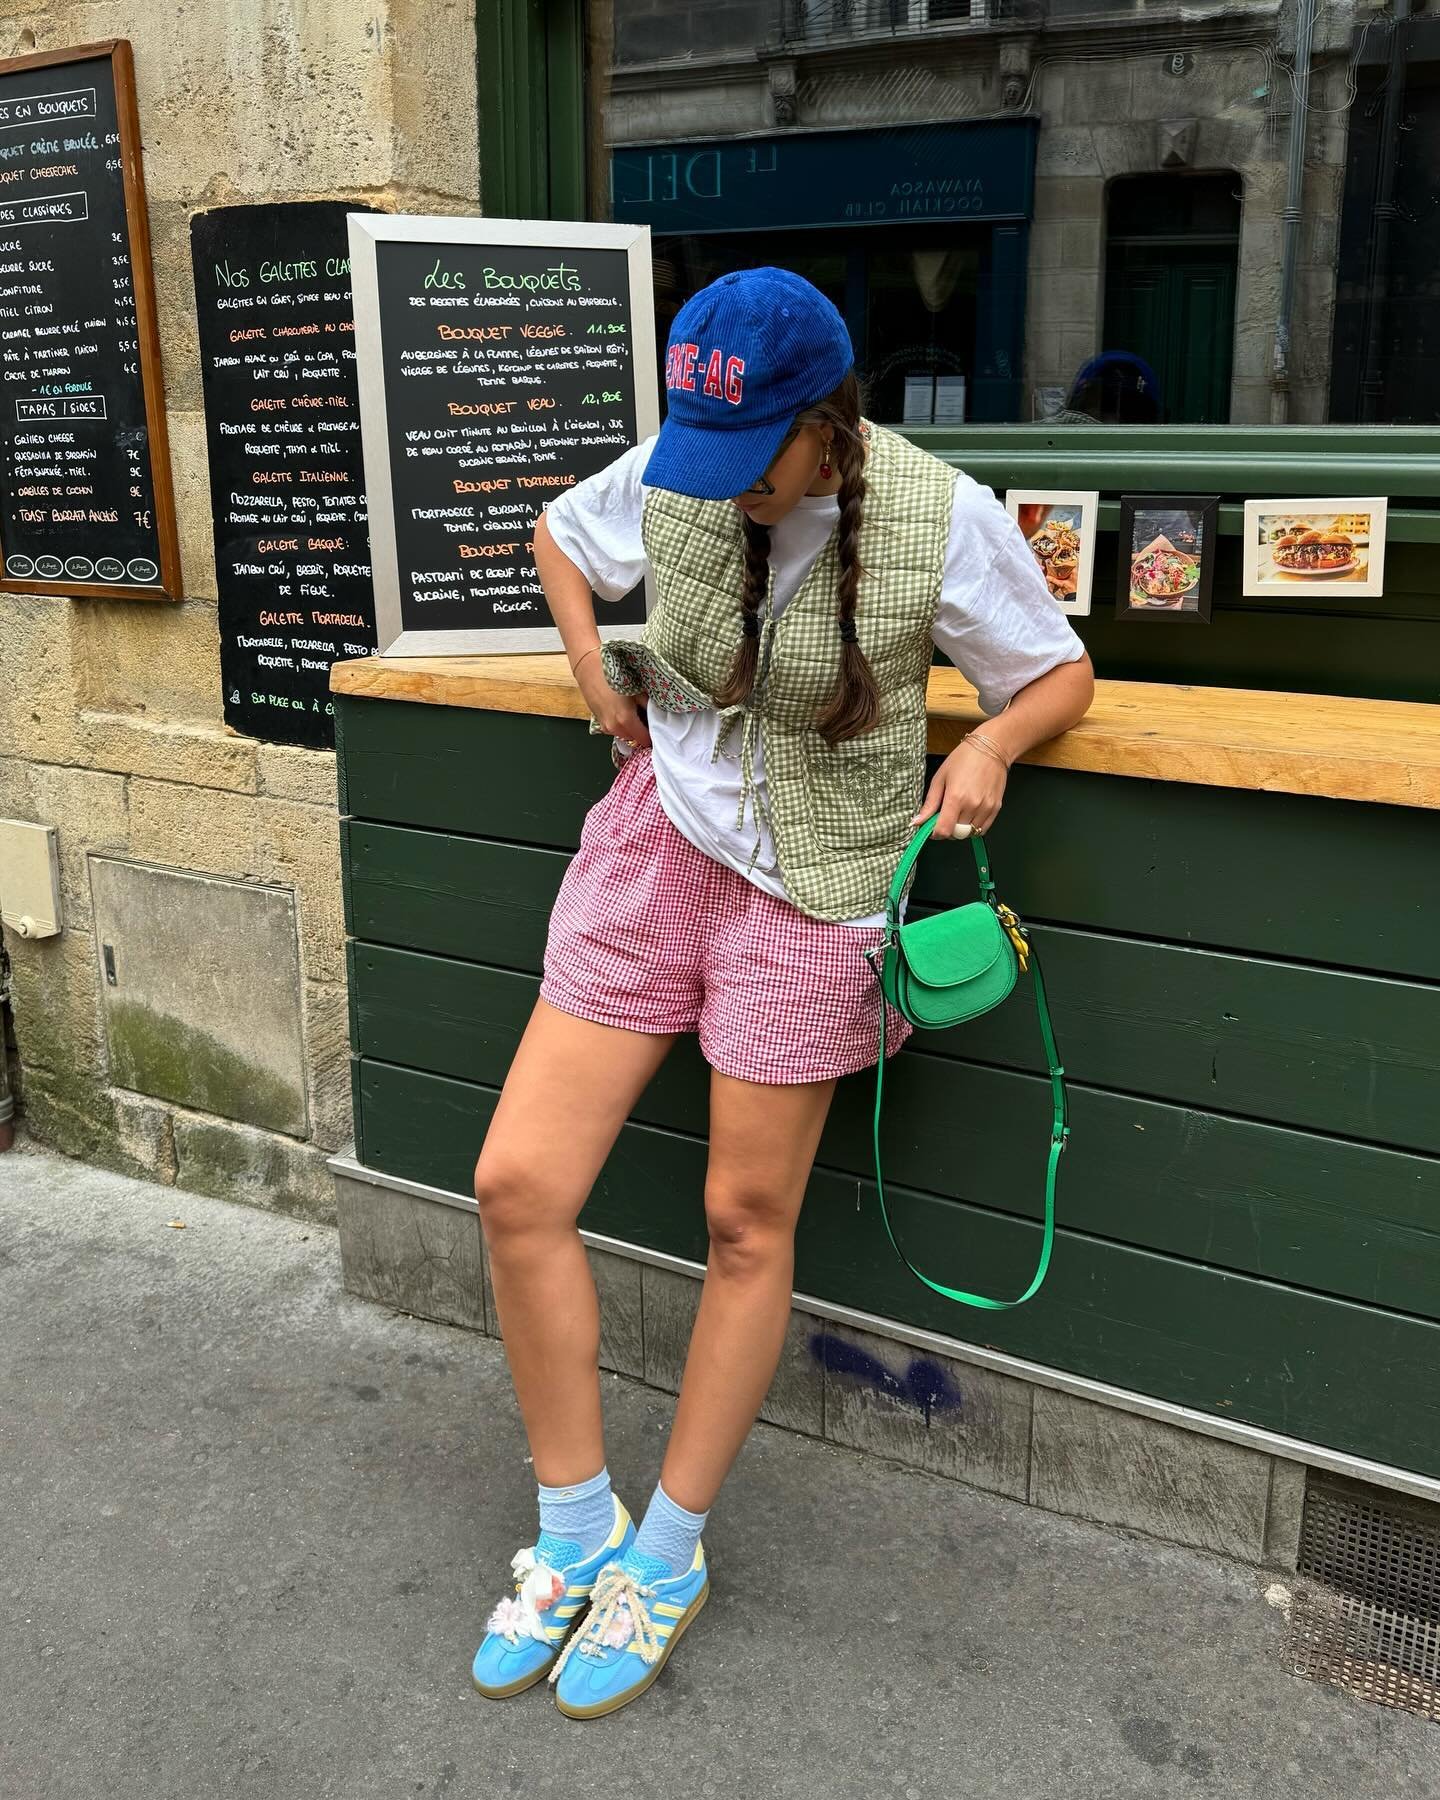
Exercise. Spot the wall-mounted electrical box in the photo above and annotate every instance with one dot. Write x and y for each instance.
(29, 879)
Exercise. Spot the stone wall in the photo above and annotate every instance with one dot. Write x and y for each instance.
(1124, 116)
(110, 714)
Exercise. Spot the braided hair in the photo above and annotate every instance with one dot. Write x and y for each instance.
(854, 707)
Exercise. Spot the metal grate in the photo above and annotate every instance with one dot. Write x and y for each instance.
(1373, 1628)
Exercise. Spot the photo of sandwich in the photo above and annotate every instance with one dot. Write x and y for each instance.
(1303, 552)
(1318, 546)
(1060, 531)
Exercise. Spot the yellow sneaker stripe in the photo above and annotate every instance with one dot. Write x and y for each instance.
(666, 1610)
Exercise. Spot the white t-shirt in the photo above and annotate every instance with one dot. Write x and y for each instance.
(996, 622)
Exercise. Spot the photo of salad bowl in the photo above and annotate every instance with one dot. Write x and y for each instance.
(1161, 575)
(1167, 557)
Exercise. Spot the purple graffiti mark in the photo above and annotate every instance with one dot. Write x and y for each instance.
(924, 1385)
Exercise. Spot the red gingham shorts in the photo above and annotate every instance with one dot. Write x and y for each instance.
(651, 934)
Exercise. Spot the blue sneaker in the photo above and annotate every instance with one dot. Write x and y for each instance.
(523, 1634)
(629, 1631)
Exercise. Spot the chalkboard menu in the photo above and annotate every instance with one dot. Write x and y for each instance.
(85, 499)
(282, 429)
(501, 361)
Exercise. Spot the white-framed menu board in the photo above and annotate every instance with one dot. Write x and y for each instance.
(501, 361)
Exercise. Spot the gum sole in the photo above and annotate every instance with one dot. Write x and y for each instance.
(609, 1706)
(515, 1687)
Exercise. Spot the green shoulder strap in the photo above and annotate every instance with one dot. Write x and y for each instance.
(1060, 1129)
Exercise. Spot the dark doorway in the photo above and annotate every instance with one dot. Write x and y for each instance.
(1385, 367)
(1172, 242)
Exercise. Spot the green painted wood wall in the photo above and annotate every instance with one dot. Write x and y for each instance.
(1246, 991)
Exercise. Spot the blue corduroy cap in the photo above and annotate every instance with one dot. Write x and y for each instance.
(745, 355)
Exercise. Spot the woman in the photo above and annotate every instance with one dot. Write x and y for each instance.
(806, 562)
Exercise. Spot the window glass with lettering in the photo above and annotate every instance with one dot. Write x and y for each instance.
(1036, 210)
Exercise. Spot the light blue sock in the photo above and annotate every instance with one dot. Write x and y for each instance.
(664, 1546)
(574, 1521)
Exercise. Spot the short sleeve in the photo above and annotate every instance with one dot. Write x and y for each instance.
(997, 621)
(597, 523)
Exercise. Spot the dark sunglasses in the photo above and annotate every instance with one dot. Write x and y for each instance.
(762, 486)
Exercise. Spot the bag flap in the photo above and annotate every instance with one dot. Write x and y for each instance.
(951, 948)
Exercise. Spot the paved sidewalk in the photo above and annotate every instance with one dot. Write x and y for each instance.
(251, 1526)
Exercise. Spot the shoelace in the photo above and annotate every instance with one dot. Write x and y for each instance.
(616, 1592)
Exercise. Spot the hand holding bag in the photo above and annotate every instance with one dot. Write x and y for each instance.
(942, 970)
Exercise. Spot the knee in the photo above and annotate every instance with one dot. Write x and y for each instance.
(749, 1231)
(511, 1197)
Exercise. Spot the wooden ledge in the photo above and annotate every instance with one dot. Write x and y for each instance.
(1383, 751)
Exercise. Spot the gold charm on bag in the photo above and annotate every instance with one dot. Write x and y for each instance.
(1016, 933)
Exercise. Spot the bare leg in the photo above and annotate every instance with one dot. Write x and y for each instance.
(569, 1090)
(763, 1139)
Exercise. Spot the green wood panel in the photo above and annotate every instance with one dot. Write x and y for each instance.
(1285, 875)
(1297, 1362)
(458, 896)
(1315, 1212)
(357, 1110)
(457, 768)
(341, 795)
(1357, 1055)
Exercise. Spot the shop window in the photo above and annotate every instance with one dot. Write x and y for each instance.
(1249, 214)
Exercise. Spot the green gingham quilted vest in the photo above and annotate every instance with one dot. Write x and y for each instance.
(839, 815)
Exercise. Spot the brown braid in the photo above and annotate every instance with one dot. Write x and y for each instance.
(741, 678)
(855, 705)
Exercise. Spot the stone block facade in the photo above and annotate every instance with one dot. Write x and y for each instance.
(111, 725)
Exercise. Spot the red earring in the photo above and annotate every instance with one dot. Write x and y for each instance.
(825, 467)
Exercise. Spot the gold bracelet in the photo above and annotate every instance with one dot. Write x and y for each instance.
(986, 746)
(994, 747)
(575, 666)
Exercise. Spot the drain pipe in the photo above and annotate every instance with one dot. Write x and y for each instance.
(1294, 196)
(1387, 156)
(7, 1101)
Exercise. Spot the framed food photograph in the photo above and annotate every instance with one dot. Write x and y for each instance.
(1167, 557)
(1314, 547)
(1060, 529)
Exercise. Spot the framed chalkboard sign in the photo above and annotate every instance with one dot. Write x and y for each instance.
(500, 361)
(86, 505)
(282, 434)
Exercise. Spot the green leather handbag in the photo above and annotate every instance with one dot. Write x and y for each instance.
(942, 970)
